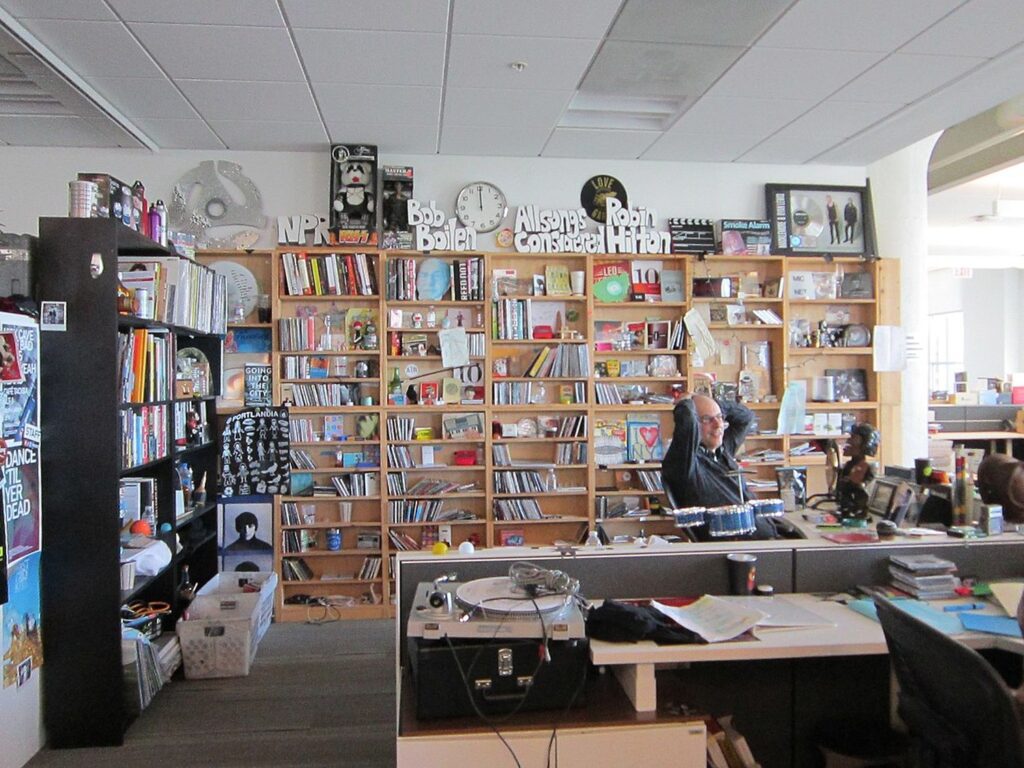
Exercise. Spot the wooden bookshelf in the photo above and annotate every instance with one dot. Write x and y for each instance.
(519, 409)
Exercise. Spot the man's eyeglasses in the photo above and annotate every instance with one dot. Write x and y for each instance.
(712, 419)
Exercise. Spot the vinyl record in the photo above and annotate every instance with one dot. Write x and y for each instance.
(807, 216)
(499, 596)
(596, 190)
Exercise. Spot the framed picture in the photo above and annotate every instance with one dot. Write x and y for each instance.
(881, 495)
(814, 220)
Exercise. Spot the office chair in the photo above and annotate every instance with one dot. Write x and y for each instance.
(958, 710)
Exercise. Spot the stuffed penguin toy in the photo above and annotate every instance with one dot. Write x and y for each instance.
(354, 197)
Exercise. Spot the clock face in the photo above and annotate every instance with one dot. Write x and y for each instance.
(481, 205)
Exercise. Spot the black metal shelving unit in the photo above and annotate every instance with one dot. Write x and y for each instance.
(85, 684)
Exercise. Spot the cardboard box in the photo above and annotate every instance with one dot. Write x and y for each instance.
(111, 196)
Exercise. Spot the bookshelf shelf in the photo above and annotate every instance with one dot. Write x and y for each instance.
(131, 431)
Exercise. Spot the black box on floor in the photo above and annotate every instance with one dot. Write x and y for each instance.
(506, 664)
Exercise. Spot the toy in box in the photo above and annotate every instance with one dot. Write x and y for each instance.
(395, 194)
(354, 194)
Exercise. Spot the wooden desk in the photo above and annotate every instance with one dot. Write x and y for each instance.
(998, 442)
(852, 634)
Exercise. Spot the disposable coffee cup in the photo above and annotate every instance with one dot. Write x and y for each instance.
(578, 281)
(742, 573)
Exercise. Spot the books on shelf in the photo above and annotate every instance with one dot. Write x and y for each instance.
(182, 292)
(329, 274)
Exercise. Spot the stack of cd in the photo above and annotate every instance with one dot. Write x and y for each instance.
(83, 199)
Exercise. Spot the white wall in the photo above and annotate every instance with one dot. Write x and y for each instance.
(33, 182)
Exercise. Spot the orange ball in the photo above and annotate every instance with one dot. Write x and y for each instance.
(142, 528)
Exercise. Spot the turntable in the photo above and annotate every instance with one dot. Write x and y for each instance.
(490, 646)
(492, 607)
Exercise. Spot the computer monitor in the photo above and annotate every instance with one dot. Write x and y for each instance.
(903, 507)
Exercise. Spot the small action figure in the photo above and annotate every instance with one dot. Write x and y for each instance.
(857, 472)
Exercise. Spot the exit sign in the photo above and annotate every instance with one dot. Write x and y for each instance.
(964, 273)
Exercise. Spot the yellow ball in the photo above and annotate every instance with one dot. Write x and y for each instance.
(440, 548)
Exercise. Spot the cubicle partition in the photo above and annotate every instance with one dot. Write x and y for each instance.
(783, 706)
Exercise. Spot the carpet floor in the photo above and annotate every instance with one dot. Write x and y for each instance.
(317, 695)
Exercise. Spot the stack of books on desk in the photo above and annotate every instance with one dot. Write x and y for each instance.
(926, 577)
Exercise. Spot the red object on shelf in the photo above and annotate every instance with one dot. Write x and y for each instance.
(465, 458)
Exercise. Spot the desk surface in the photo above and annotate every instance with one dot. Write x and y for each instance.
(993, 435)
(852, 634)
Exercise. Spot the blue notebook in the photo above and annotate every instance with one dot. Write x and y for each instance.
(994, 625)
(946, 623)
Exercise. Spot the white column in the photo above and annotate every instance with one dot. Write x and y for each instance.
(899, 192)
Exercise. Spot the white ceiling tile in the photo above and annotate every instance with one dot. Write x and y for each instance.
(396, 58)
(709, 22)
(93, 10)
(494, 141)
(271, 135)
(238, 100)
(718, 147)
(383, 103)
(751, 116)
(8, 107)
(490, 106)
(820, 129)
(906, 77)
(573, 142)
(395, 15)
(872, 25)
(179, 133)
(89, 47)
(223, 53)
(536, 18)
(657, 69)
(52, 131)
(393, 138)
(482, 61)
(978, 28)
(792, 74)
(143, 96)
(240, 13)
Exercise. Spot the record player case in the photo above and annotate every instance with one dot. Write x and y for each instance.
(500, 673)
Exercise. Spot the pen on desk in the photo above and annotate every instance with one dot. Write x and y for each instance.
(964, 607)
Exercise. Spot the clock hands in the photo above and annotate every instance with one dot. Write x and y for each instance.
(480, 193)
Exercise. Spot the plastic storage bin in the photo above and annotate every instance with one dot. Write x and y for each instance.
(225, 624)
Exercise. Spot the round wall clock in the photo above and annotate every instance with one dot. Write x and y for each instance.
(481, 206)
(596, 190)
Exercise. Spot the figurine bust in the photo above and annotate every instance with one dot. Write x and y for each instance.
(857, 472)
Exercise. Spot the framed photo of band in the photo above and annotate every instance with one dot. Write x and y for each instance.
(820, 220)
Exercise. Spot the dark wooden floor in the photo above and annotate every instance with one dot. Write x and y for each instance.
(317, 695)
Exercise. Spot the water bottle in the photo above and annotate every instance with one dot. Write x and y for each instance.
(552, 482)
(162, 211)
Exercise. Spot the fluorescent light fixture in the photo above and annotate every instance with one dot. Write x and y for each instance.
(612, 111)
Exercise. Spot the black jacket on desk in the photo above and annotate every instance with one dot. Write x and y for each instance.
(696, 477)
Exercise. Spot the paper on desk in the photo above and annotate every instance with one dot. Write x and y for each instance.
(780, 613)
(713, 618)
(993, 625)
(1007, 594)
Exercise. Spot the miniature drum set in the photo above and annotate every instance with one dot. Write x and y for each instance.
(729, 520)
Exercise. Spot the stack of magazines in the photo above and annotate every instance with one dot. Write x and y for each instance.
(926, 577)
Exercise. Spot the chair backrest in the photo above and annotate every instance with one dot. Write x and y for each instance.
(956, 707)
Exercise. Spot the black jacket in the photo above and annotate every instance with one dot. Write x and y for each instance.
(695, 477)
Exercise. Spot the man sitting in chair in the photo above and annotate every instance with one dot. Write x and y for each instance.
(700, 469)
(1001, 481)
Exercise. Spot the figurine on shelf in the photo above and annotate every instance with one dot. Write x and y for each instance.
(357, 335)
(857, 472)
(369, 340)
(194, 428)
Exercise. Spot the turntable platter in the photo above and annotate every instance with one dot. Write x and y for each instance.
(499, 595)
